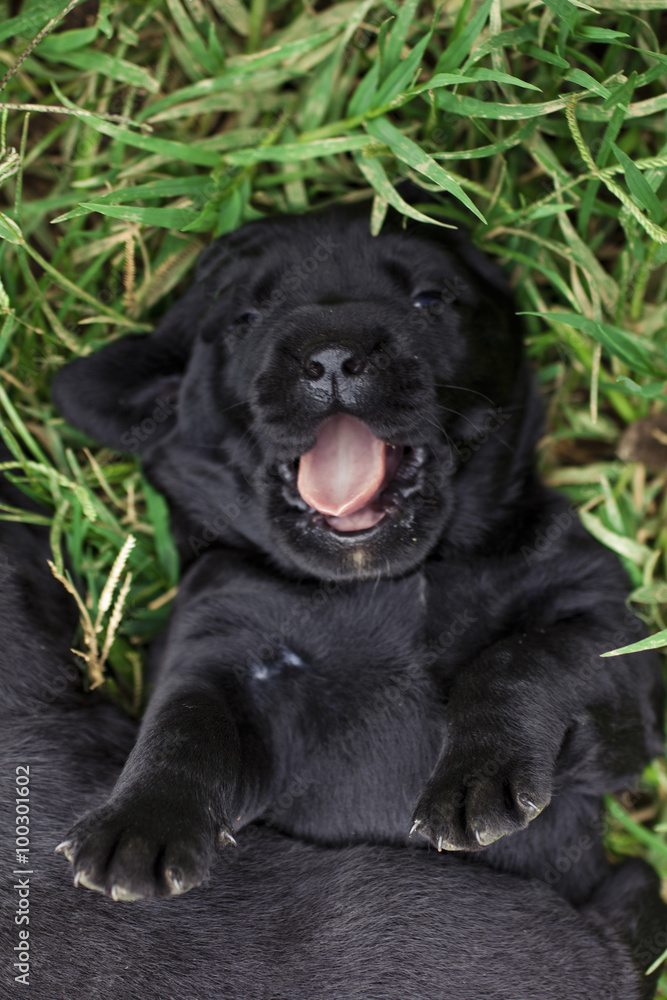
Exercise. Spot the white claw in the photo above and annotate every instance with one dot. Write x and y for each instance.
(441, 841)
(66, 848)
(226, 838)
(415, 827)
(174, 882)
(83, 878)
(122, 895)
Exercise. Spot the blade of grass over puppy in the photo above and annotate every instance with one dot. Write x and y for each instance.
(410, 153)
(657, 641)
(166, 549)
(374, 173)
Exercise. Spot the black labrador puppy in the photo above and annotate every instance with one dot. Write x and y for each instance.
(278, 919)
(388, 616)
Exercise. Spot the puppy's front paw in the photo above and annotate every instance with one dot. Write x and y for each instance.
(466, 810)
(141, 848)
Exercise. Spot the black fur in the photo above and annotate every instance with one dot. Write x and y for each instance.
(443, 665)
(278, 919)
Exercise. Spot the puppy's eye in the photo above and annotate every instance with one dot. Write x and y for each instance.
(427, 299)
(249, 318)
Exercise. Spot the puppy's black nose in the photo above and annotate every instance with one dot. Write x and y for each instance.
(334, 364)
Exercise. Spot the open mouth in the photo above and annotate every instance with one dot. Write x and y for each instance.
(350, 481)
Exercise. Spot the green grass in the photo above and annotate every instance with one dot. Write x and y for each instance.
(161, 124)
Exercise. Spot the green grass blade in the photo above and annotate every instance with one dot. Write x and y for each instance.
(168, 218)
(639, 186)
(410, 153)
(656, 641)
(639, 355)
(398, 36)
(374, 173)
(459, 43)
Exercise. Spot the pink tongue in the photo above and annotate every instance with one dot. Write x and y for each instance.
(344, 470)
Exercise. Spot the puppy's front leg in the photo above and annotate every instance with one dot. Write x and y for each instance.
(533, 714)
(190, 775)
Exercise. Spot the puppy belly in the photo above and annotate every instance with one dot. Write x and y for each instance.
(362, 800)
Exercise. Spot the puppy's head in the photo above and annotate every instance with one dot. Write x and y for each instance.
(315, 392)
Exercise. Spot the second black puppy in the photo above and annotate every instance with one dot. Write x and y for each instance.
(389, 616)
(278, 919)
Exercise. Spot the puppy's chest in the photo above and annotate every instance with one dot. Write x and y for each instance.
(338, 654)
(351, 712)
(338, 648)
(355, 705)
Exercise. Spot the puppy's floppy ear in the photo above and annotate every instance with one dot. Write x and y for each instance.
(125, 394)
(131, 382)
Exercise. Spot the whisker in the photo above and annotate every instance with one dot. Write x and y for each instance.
(462, 415)
(463, 388)
(476, 428)
(233, 406)
(434, 423)
(239, 443)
